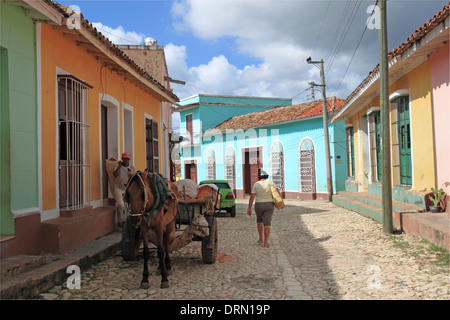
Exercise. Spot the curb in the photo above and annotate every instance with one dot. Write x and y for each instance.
(29, 285)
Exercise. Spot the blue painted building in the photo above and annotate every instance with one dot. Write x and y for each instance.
(201, 112)
(286, 141)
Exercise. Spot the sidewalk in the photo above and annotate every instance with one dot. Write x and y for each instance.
(24, 276)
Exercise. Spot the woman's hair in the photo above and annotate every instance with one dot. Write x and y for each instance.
(262, 174)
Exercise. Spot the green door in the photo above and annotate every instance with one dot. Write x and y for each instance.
(377, 125)
(404, 140)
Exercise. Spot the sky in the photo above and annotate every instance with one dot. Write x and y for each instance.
(259, 47)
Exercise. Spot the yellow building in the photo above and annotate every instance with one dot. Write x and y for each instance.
(411, 118)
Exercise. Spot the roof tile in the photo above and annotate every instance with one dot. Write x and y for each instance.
(279, 115)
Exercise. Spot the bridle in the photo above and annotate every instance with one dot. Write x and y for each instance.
(146, 190)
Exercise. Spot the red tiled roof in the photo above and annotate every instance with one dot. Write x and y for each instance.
(399, 50)
(280, 115)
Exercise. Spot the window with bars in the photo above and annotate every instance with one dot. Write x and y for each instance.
(211, 165)
(401, 141)
(189, 128)
(277, 161)
(230, 166)
(151, 145)
(307, 166)
(74, 143)
(375, 145)
(350, 151)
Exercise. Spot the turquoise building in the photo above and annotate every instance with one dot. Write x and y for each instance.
(287, 141)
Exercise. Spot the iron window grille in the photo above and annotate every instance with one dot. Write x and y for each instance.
(307, 166)
(74, 143)
(277, 160)
(211, 165)
(230, 167)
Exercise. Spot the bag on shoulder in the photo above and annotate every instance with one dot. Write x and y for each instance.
(277, 199)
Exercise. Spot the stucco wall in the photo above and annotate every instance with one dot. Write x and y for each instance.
(439, 64)
(418, 83)
(19, 154)
(60, 52)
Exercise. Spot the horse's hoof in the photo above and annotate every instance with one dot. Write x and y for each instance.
(144, 286)
(164, 285)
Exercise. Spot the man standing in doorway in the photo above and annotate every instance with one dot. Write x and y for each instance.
(122, 173)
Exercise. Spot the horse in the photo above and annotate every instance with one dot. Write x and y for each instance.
(148, 211)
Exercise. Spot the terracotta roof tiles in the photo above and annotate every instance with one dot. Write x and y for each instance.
(279, 115)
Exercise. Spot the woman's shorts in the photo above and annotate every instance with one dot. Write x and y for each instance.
(264, 212)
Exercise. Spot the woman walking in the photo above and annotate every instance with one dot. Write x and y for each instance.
(263, 206)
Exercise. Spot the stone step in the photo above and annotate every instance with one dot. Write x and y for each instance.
(366, 209)
(377, 201)
(62, 235)
(30, 283)
(363, 208)
(12, 266)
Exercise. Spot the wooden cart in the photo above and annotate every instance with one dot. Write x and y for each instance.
(200, 223)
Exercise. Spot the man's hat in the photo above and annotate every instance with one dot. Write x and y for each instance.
(126, 155)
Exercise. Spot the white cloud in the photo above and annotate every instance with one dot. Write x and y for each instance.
(279, 36)
(282, 34)
(119, 35)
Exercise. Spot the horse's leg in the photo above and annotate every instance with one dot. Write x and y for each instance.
(162, 257)
(167, 238)
(144, 283)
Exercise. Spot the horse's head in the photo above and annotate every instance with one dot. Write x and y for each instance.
(138, 196)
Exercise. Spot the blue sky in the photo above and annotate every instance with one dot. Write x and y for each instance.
(259, 47)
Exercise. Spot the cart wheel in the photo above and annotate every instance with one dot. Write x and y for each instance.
(130, 241)
(210, 243)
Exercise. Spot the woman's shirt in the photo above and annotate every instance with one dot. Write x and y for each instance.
(262, 191)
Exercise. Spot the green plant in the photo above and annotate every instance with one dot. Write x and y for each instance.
(437, 196)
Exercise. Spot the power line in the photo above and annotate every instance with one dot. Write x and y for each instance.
(354, 52)
(344, 34)
(320, 30)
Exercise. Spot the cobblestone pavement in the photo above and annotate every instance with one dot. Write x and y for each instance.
(317, 251)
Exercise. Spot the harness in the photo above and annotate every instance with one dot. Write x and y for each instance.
(161, 193)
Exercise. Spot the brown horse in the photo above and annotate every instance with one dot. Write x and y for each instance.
(148, 211)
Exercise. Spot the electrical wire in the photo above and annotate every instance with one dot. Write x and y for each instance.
(354, 52)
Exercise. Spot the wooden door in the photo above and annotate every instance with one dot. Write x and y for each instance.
(190, 171)
(252, 162)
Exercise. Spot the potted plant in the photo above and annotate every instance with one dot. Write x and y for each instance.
(436, 198)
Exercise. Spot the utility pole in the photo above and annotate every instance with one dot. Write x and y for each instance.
(325, 128)
(384, 106)
(311, 86)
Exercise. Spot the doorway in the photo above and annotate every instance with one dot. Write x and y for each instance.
(190, 170)
(252, 162)
(104, 128)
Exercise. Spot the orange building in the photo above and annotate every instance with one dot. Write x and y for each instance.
(95, 103)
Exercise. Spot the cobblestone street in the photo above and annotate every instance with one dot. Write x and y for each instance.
(317, 251)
